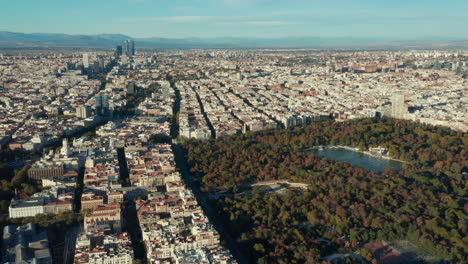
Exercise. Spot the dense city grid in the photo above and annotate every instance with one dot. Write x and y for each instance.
(90, 140)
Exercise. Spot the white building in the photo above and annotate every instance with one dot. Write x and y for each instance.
(86, 60)
(399, 109)
(83, 111)
(26, 207)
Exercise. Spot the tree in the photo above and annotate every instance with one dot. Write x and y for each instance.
(259, 248)
(21, 176)
(3, 206)
(341, 201)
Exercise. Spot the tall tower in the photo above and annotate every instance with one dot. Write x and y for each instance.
(83, 111)
(125, 47)
(101, 61)
(85, 60)
(118, 51)
(129, 47)
(132, 47)
(102, 105)
(399, 109)
(65, 151)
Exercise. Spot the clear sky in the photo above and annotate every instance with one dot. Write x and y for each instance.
(396, 19)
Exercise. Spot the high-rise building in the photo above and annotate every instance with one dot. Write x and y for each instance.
(86, 60)
(129, 47)
(102, 64)
(399, 109)
(70, 66)
(65, 150)
(102, 105)
(118, 51)
(83, 111)
(96, 67)
(125, 47)
(132, 47)
(130, 88)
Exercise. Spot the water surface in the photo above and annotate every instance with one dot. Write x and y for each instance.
(358, 159)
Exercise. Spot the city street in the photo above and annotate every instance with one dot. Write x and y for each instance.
(70, 241)
(231, 243)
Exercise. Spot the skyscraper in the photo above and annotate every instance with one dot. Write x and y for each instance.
(399, 109)
(130, 88)
(83, 111)
(118, 51)
(96, 67)
(125, 47)
(132, 47)
(65, 150)
(70, 66)
(85, 60)
(129, 47)
(101, 61)
(102, 105)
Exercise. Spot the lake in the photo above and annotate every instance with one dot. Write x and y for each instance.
(359, 159)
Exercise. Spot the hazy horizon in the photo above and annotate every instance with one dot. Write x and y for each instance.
(421, 38)
(261, 19)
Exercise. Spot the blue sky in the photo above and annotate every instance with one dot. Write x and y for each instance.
(396, 19)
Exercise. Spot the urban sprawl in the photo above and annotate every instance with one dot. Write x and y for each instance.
(118, 116)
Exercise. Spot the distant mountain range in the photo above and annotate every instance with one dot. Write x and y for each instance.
(13, 39)
(48, 40)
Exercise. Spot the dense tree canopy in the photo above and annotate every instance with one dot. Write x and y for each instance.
(424, 203)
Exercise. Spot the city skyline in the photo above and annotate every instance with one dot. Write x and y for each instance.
(241, 18)
(233, 131)
(224, 156)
